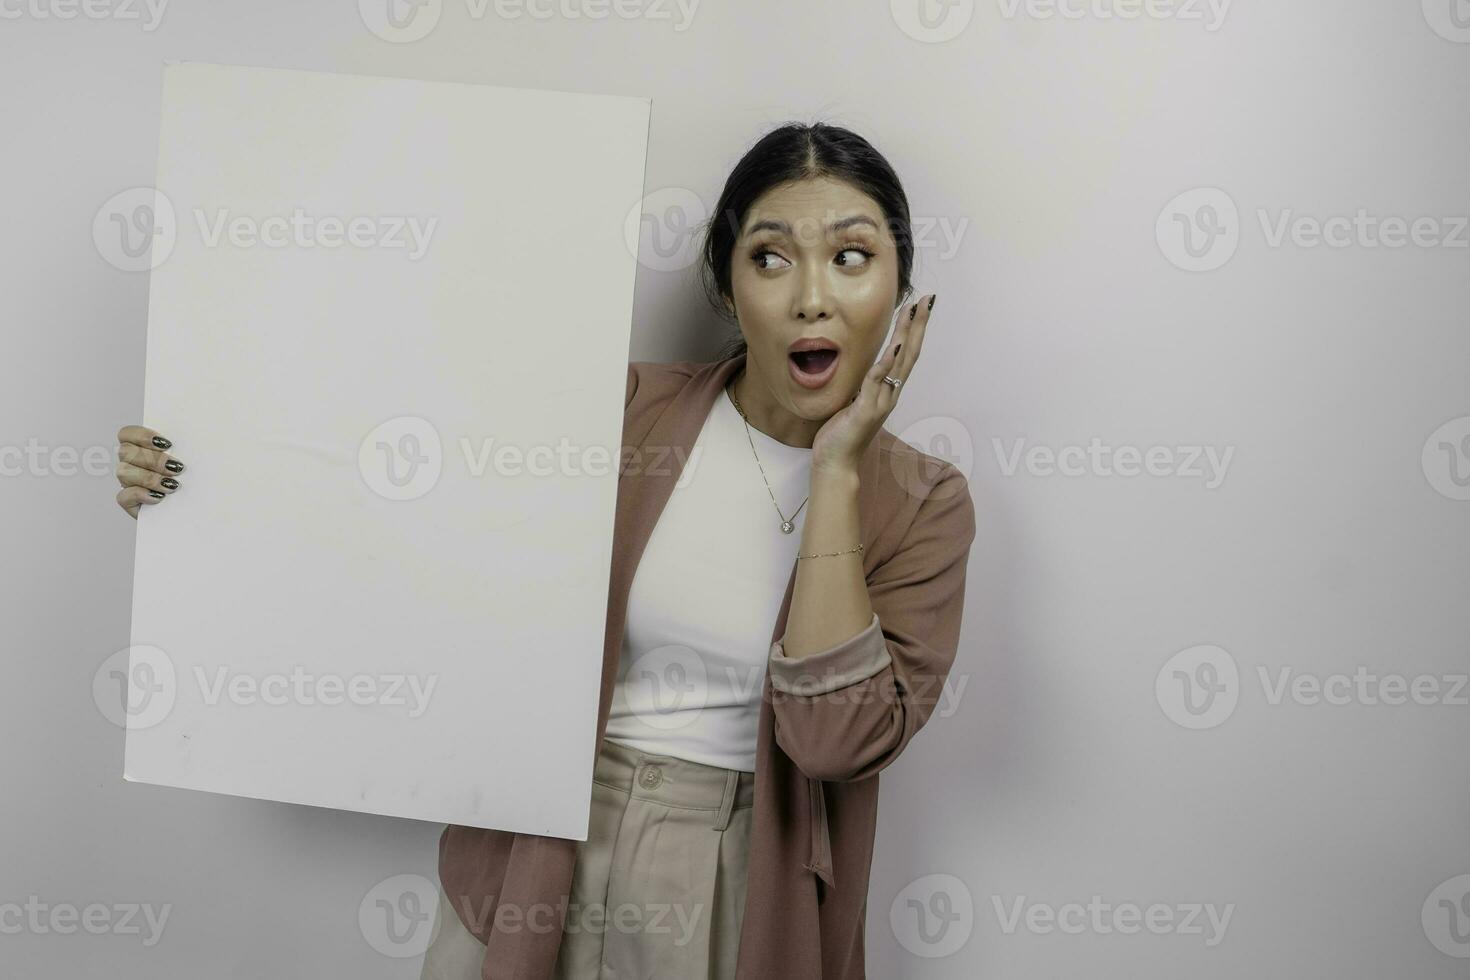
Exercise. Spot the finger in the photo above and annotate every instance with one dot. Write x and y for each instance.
(131, 499)
(149, 459)
(869, 392)
(141, 435)
(135, 476)
(901, 333)
(894, 358)
(912, 341)
(887, 394)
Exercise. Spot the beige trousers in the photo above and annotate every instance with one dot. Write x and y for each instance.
(659, 886)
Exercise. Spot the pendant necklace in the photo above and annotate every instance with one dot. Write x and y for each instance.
(787, 524)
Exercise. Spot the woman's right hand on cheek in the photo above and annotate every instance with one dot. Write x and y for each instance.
(147, 473)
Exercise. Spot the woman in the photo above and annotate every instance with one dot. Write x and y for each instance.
(733, 804)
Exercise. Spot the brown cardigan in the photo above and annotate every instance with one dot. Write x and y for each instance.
(829, 722)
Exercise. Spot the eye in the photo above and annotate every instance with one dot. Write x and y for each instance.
(866, 255)
(759, 254)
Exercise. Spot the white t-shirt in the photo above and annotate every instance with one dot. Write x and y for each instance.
(705, 596)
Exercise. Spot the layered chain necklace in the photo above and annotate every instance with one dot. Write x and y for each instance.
(787, 524)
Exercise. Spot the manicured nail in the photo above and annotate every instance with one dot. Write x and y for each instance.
(173, 466)
(170, 482)
(932, 299)
(155, 493)
(914, 311)
(161, 442)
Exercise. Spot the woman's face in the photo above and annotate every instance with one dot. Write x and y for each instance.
(813, 259)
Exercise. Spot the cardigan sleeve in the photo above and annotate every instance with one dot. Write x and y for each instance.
(845, 713)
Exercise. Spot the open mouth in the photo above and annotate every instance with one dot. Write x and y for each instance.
(813, 368)
(814, 361)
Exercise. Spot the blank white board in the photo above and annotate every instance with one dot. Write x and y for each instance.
(388, 331)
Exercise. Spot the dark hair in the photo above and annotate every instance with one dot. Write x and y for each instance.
(798, 151)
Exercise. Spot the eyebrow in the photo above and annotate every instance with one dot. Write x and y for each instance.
(777, 225)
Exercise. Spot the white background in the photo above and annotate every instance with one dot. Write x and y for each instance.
(1060, 319)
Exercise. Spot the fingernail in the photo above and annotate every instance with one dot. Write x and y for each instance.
(161, 442)
(155, 493)
(913, 311)
(897, 349)
(173, 466)
(932, 299)
(170, 482)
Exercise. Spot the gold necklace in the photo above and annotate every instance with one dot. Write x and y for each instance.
(787, 524)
